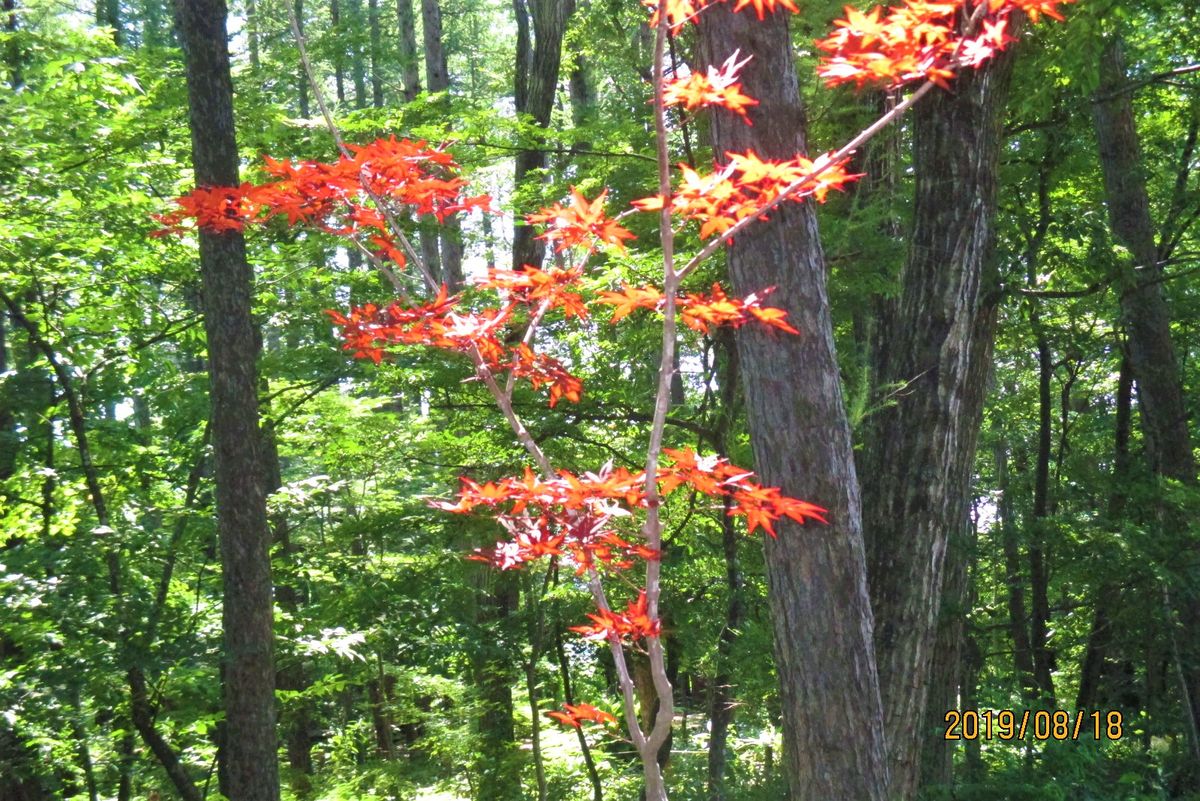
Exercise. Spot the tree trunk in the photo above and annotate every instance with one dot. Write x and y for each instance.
(539, 57)
(446, 259)
(339, 50)
(1147, 322)
(497, 768)
(1107, 597)
(1039, 623)
(301, 77)
(376, 54)
(832, 718)
(247, 617)
(358, 67)
(920, 452)
(410, 76)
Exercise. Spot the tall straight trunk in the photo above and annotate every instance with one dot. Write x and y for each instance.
(247, 608)
(301, 77)
(339, 50)
(252, 34)
(1039, 622)
(1014, 578)
(816, 575)
(410, 75)
(919, 454)
(376, 53)
(1107, 597)
(498, 766)
(358, 67)
(541, 25)
(1147, 323)
(444, 259)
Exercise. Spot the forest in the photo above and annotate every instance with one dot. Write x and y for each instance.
(599, 400)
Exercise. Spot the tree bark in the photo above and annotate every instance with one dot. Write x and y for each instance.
(376, 54)
(1039, 580)
(247, 617)
(410, 76)
(541, 25)
(920, 452)
(832, 718)
(444, 245)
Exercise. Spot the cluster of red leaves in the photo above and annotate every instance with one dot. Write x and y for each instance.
(634, 623)
(582, 222)
(534, 287)
(678, 12)
(576, 714)
(919, 40)
(715, 87)
(699, 311)
(570, 514)
(369, 330)
(745, 185)
(334, 196)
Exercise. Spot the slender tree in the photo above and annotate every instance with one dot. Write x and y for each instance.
(249, 746)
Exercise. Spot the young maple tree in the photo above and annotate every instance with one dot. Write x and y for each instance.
(609, 520)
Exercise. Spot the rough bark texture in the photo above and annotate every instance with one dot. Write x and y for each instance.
(539, 57)
(919, 452)
(1147, 323)
(832, 721)
(249, 675)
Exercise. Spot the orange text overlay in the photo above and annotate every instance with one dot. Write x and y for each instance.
(1041, 724)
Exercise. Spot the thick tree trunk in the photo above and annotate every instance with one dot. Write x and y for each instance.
(410, 75)
(832, 719)
(249, 674)
(919, 453)
(539, 57)
(1147, 323)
